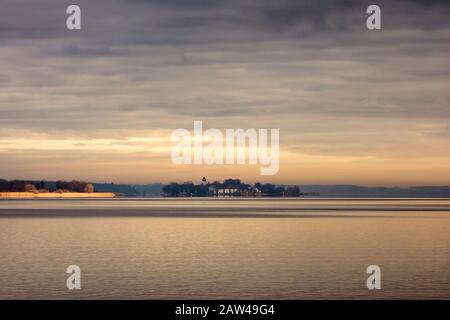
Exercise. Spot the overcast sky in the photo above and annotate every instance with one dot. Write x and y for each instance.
(352, 105)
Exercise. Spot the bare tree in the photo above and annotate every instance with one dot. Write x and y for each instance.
(89, 188)
(30, 188)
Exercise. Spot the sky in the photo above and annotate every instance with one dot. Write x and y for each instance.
(353, 106)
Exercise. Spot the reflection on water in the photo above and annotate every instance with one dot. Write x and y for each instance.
(322, 254)
(202, 207)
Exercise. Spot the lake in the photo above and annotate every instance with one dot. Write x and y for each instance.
(225, 248)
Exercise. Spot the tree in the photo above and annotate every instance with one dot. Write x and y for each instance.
(188, 189)
(17, 186)
(4, 185)
(293, 191)
(279, 191)
(268, 189)
(89, 188)
(172, 190)
(29, 187)
(76, 186)
(62, 185)
(201, 191)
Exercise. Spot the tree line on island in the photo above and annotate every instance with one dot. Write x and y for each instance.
(45, 186)
(189, 189)
(229, 188)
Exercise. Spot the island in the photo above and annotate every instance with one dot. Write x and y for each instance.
(229, 188)
(50, 189)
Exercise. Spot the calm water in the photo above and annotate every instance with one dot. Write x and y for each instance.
(217, 249)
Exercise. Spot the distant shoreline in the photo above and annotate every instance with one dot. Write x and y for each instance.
(56, 195)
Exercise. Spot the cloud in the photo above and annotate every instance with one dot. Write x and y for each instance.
(310, 68)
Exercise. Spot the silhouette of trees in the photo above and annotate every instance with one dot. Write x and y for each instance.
(172, 190)
(89, 188)
(229, 187)
(76, 186)
(187, 189)
(4, 185)
(17, 186)
(42, 186)
(29, 187)
(293, 191)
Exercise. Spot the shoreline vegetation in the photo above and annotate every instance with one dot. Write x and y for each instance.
(227, 188)
(230, 188)
(49, 190)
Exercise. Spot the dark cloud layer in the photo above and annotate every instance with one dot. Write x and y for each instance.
(306, 67)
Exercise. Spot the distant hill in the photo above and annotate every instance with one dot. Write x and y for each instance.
(122, 189)
(351, 191)
(131, 190)
(149, 190)
(325, 191)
